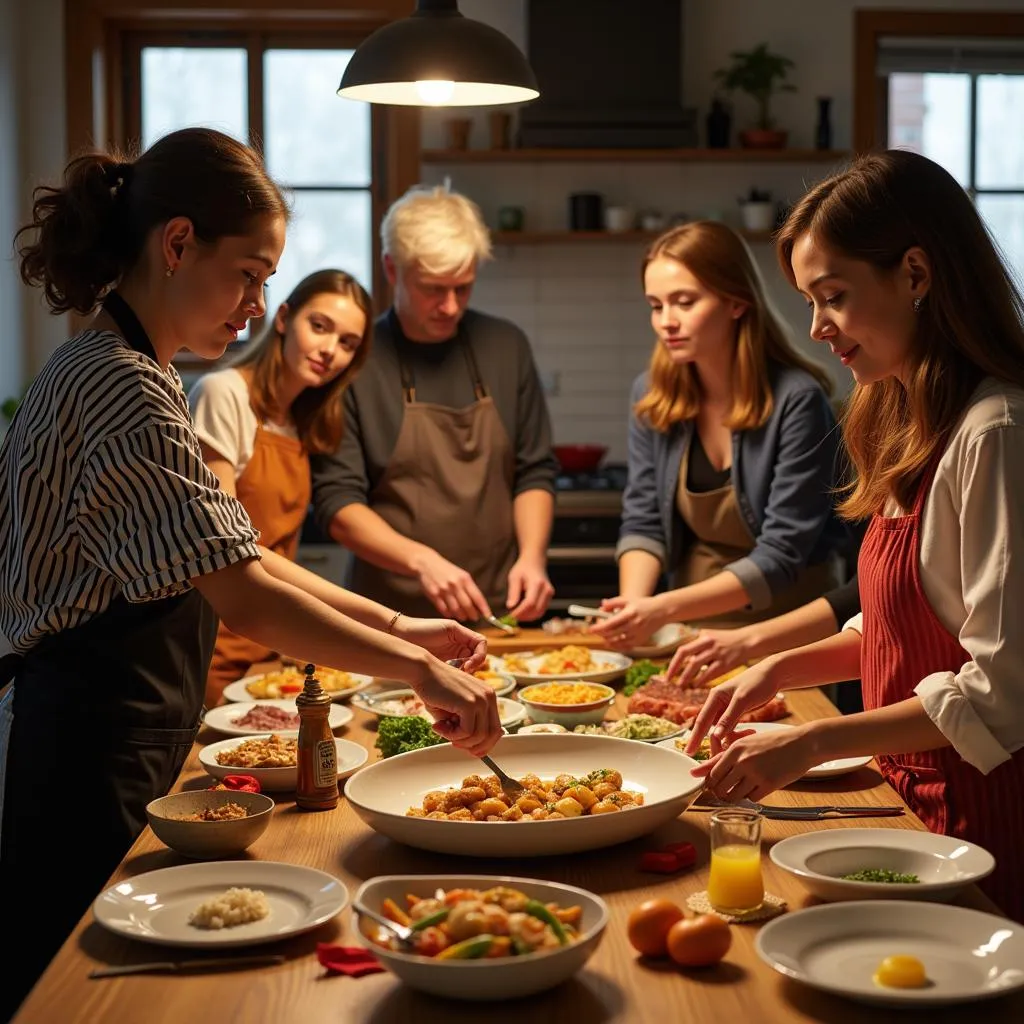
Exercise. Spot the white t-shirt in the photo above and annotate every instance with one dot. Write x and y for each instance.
(224, 418)
(972, 572)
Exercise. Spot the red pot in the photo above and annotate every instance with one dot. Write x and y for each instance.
(579, 458)
(763, 138)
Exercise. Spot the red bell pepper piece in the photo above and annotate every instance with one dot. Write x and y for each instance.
(685, 853)
(240, 783)
(660, 862)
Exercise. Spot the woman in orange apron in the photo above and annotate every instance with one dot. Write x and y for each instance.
(731, 452)
(908, 290)
(258, 421)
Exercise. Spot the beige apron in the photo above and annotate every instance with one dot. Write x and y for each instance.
(721, 536)
(448, 486)
(275, 489)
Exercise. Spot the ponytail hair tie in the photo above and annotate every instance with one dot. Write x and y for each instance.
(119, 176)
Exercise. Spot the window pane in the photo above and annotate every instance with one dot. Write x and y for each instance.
(327, 229)
(1000, 136)
(193, 85)
(312, 135)
(1004, 216)
(930, 114)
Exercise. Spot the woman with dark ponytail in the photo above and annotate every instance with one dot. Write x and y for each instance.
(118, 549)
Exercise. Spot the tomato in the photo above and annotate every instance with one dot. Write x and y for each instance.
(649, 926)
(699, 941)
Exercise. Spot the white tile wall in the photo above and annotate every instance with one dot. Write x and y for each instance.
(581, 304)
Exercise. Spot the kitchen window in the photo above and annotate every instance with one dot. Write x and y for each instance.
(958, 103)
(279, 95)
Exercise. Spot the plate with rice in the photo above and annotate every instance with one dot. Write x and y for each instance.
(569, 662)
(226, 904)
(288, 682)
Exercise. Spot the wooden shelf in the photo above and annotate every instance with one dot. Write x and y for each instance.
(674, 156)
(600, 237)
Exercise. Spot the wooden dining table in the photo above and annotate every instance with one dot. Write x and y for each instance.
(615, 986)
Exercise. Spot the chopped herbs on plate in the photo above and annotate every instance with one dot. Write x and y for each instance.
(400, 735)
(880, 875)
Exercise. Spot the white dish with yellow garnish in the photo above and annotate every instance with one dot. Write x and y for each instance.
(288, 682)
(567, 703)
(661, 788)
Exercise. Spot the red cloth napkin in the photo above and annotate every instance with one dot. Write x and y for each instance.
(353, 961)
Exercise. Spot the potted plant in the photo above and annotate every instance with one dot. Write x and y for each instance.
(760, 74)
(757, 210)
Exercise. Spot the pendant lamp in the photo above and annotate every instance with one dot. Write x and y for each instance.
(438, 58)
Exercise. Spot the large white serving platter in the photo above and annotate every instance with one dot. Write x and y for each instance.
(967, 955)
(155, 906)
(237, 690)
(382, 792)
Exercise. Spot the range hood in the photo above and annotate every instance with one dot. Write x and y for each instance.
(610, 75)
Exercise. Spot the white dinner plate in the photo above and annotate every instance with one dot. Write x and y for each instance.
(223, 718)
(664, 641)
(388, 704)
(825, 770)
(609, 665)
(351, 756)
(656, 739)
(237, 691)
(155, 906)
(967, 955)
(382, 793)
(944, 864)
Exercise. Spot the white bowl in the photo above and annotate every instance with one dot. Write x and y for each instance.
(351, 756)
(664, 641)
(967, 955)
(510, 712)
(382, 792)
(500, 978)
(208, 840)
(223, 717)
(569, 715)
(944, 864)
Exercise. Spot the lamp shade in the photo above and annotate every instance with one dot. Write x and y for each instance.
(438, 58)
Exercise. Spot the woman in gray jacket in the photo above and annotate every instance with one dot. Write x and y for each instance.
(732, 451)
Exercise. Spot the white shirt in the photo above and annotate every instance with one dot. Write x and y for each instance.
(972, 572)
(224, 418)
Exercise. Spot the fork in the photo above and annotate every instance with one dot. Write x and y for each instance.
(400, 931)
(508, 784)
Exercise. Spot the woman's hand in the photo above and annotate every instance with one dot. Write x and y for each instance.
(712, 653)
(757, 764)
(446, 639)
(728, 701)
(465, 710)
(633, 622)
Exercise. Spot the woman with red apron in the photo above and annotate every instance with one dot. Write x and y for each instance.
(908, 290)
(259, 420)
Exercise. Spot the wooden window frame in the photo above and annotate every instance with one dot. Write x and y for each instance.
(870, 104)
(96, 34)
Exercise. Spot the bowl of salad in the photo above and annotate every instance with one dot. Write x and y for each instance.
(480, 937)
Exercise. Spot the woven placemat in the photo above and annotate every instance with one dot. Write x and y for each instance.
(772, 906)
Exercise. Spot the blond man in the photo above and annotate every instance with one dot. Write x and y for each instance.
(443, 486)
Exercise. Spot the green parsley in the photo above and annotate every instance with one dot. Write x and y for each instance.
(639, 672)
(400, 735)
(880, 875)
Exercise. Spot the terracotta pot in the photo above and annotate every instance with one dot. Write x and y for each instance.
(763, 138)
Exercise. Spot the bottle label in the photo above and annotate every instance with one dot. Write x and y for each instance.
(325, 764)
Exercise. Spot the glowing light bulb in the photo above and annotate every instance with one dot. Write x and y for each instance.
(435, 92)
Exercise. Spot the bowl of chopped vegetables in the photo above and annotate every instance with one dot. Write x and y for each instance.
(481, 937)
(879, 864)
(645, 728)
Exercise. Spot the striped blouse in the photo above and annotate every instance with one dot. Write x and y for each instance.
(104, 493)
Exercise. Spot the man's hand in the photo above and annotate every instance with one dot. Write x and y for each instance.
(451, 589)
(529, 589)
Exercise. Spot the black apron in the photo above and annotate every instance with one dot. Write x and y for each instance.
(105, 715)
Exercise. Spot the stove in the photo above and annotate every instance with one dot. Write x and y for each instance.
(581, 556)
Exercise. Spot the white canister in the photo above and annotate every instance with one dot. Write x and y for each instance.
(619, 218)
(758, 216)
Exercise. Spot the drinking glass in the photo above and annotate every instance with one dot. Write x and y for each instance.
(736, 885)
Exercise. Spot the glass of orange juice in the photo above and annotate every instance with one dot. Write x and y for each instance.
(736, 885)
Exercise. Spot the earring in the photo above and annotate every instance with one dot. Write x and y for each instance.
(169, 272)
(917, 304)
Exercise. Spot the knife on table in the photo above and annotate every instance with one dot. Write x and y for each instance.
(810, 813)
(171, 966)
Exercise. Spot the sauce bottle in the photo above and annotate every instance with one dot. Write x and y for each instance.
(317, 758)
